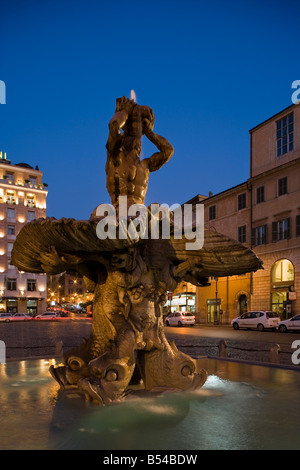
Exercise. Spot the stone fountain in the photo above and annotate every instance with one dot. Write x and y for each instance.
(129, 274)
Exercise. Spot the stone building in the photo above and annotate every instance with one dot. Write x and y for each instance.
(67, 288)
(263, 213)
(275, 211)
(22, 199)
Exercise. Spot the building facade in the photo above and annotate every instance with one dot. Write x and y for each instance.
(183, 299)
(275, 216)
(67, 290)
(263, 213)
(22, 199)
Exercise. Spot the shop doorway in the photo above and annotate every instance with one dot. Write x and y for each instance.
(282, 282)
(12, 306)
(242, 304)
(214, 311)
(32, 307)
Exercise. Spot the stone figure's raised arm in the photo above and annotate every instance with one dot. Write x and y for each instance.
(158, 159)
(124, 107)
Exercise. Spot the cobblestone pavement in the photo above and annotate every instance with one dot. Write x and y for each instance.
(255, 351)
(39, 338)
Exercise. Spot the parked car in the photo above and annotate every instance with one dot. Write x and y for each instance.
(5, 317)
(292, 324)
(258, 320)
(21, 317)
(62, 313)
(47, 316)
(180, 319)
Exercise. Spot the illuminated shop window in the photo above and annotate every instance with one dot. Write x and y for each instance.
(282, 271)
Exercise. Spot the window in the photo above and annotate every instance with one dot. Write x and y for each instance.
(259, 235)
(212, 212)
(281, 230)
(298, 226)
(9, 176)
(31, 285)
(10, 197)
(242, 201)
(32, 180)
(242, 234)
(30, 200)
(285, 135)
(282, 186)
(11, 213)
(282, 281)
(11, 284)
(282, 270)
(9, 248)
(11, 230)
(30, 216)
(260, 194)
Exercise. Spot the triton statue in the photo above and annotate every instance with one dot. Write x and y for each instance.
(129, 277)
(127, 175)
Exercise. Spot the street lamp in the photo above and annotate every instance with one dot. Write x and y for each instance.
(216, 321)
(186, 302)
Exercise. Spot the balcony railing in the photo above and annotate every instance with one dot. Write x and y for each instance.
(4, 292)
(24, 184)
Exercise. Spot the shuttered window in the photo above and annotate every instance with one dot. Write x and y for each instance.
(298, 226)
(259, 235)
(281, 230)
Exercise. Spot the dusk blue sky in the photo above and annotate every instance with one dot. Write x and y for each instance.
(210, 71)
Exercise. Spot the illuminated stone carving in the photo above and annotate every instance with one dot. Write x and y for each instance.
(129, 277)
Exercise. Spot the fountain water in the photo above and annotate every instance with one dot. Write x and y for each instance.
(241, 406)
(133, 96)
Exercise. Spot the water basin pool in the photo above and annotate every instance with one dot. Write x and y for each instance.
(240, 407)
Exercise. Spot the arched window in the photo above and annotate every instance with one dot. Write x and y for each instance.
(283, 270)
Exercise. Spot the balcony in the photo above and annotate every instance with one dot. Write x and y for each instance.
(21, 294)
(9, 293)
(25, 184)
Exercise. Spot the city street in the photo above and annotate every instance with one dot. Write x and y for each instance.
(229, 334)
(27, 339)
(39, 338)
(249, 345)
